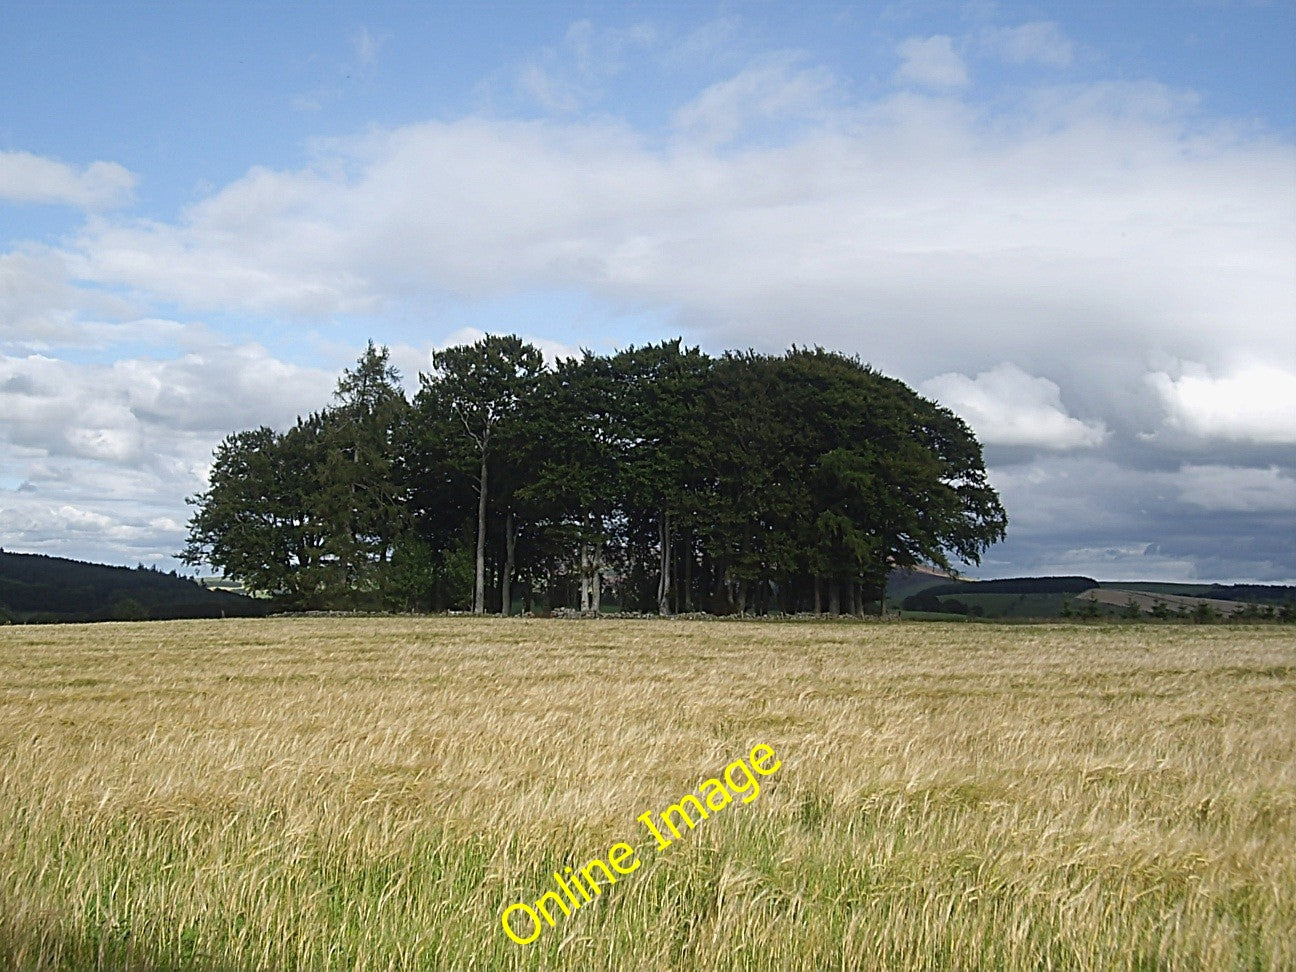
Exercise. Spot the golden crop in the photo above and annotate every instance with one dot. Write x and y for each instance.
(372, 793)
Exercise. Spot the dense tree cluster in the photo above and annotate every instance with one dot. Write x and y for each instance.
(658, 477)
(35, 588)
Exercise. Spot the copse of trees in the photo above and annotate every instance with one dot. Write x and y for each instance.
(659, 477)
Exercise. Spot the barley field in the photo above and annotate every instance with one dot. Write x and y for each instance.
(373, 793)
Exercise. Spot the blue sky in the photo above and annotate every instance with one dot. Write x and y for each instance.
(1072, 223)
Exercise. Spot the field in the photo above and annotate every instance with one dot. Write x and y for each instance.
(323, 794)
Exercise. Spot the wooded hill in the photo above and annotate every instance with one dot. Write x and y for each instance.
(658, 478)
(1061, 597)
(36, 588)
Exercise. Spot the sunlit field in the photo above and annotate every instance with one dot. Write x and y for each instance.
(374, 793)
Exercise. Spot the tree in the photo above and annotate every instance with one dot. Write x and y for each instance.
(264, 519)
(310, 515)
(369, 514)
(441, 505)
(577, 471)
(745, 483)
(820, 471)
(658, 416)
(484, 386)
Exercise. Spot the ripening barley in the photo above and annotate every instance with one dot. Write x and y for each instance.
(323, 794)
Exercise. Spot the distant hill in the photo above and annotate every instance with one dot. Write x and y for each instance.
(1017, 585)
(1247, 593)
(902, 583)
(1054, 597)
(36, 588)
(1118, 598)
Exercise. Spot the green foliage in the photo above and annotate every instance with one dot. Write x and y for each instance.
(36, 588)
(929, 603)
(128, 609)
(744, 483)
(1019, 585)
(1204, 613)
(454, 577)
(310, 516)
(489, 388)
(410, 576)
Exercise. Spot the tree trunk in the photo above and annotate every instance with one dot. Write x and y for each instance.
(688, 575)
(818, 595)
(596, 578)
(585, 577)
(834, 596)
(664, 582)
(510, 546)
(479, 590)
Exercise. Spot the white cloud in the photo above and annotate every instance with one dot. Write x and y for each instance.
(904, 229)
(931, 62)
(1237, 490)
(267, 242)
(41, 308)
(1100, 234)
(552, 93)
(571, 75)
(120, 533)
(28, 178)
(1041, 42)
(140, 411)
(760, 94)
(1256, 403)
(1007, 406)
(98, 458)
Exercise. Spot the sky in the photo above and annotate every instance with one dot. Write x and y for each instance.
(1073, 224)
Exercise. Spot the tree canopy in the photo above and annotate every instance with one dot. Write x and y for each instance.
(658, 478)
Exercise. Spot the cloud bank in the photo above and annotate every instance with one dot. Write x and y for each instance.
(28, 178)
(1099, 279)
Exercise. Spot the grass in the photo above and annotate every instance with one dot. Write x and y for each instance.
(326, 794)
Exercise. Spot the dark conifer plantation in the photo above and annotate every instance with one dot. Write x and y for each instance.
(656, 479)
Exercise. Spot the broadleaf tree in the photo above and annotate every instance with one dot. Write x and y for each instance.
(748, 482)
(484, 386)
